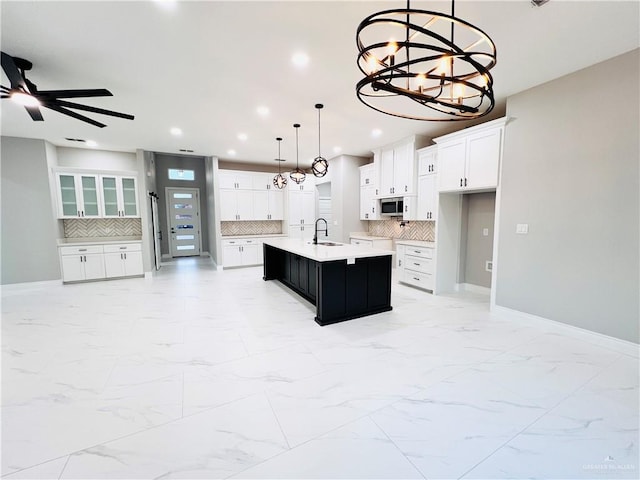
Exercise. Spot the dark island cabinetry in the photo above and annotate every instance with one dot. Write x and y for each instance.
(340, 289)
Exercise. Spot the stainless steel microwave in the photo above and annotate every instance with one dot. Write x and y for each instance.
(391, 207)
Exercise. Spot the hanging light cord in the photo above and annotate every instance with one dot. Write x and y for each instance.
(319, 132)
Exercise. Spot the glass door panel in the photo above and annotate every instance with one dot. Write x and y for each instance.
(129, 197)
(110, 195)
(90, 196)
(68, 196)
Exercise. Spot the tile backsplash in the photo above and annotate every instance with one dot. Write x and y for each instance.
(411, 231)
(102, 227)
(266, 227)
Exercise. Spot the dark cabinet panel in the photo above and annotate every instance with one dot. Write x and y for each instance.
(357, 286)
(379, 283)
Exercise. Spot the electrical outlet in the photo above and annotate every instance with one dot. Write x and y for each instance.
(522, 228)
(485, 232)
(488, 266)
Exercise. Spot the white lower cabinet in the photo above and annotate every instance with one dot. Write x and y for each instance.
(415, 265)
(100, 261)
(123, 260)
(241, 252)
(82, 263)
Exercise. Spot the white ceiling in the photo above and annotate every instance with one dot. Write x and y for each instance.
(206, 66)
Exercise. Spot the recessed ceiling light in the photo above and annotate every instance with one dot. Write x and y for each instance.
(337, 149)
(231, 152)
(91, 143)
(262, 111)
(242, 136)
(376, 132)
(176, 131)
(300, 59)
(167, 4)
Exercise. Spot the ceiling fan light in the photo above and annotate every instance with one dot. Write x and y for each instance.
(25, 99)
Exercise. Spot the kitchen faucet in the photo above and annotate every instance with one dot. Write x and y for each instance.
(326, 230)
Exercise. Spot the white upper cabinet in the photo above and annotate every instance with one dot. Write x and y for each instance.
(427, 160)
(368, 191)
(119, 196)
(235, 180)
(236, 205)
(96, 195)
(427, 208)
(78, 195)
(469, 160)
(302, 207)
(396, 167)
(268, 204)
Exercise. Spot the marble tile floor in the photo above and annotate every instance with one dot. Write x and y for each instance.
(198, 373)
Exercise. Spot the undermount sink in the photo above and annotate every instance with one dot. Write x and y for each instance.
(329, 244)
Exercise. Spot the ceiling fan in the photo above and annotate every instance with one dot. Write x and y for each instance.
(26, 93)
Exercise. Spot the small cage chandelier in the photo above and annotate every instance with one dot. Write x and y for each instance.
(297, 175)
(320, 166)
(279, 181)
(425, 65)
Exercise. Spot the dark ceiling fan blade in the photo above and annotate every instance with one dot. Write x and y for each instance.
(35, 113)
(5, 96)
(73, 114)
(95, 92)
(87, 108)
(14, 75)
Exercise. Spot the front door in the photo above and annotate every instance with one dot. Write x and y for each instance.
(183, 210)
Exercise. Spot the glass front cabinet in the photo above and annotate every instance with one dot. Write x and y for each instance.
(95, 195)
(78, 196)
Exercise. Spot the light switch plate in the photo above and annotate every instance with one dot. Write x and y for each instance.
(522, 228)
(485, 232)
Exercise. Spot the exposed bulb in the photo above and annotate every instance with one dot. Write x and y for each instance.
(420, 80)
(458, 91)
(443, 66)
(372, 65)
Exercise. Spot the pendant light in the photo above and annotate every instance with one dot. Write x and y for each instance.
(320, 166)
(279, 181)
(297, 175)
(414, 68)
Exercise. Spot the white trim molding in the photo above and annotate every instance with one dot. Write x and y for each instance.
(600, 339)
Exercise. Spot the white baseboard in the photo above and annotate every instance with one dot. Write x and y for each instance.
(605, 341)
(469, 287)
(25, 286)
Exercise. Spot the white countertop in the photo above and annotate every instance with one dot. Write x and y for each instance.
(415, 243)
(325, 253)
(97, 240)
(366, 236)
(266, 235)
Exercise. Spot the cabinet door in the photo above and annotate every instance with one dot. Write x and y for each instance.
(260, 204)
(110, 207)
(307, 232)
(451, 165)
(228, 205)
(262, 181)
(427, 161)
(94, 266)
(483, 157)
(133, 263)
(72, 268)
(244, 180)
(232, 256)
(227, 180)
(89, 190)
(365, 203)
(295, 207)
(68, 201)
(386, 172)
(114, 264)
(399, 263)
(308, 208)
(245, 204)
(403, 169)
(249, 254)
(129, 204)
(276, 204)
(427, 198)
(409, 208)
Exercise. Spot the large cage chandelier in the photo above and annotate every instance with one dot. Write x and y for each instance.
(414, 59)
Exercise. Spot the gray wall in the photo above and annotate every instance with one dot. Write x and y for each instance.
(163, 163)
(211, 168)
(478, 213)
(571, 171)
(29, 231)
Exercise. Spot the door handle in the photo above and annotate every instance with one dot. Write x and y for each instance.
(173, 230)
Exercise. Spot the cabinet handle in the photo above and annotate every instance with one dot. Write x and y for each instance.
(416, 279)
(406, 188)
(125, 256)
(399, 263)
(465, 182)
(78, 212)
(82, 250)
(416, 264)
(376, 191)
(460, 182)
(123, 248)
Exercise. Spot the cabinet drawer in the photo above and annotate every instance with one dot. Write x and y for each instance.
(124, 247)
(418, 264)
(81, 250)
(365, 243)
(242, 241)
(421, 280)
(419, 251)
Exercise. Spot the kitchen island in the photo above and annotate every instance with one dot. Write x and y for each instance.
(342, 281)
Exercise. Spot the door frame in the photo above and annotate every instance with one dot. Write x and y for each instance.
(167, 197)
